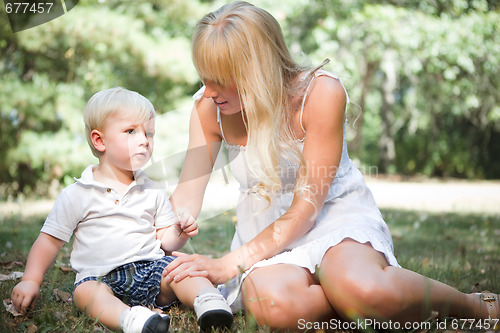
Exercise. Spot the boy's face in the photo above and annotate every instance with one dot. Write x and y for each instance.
(128, 141)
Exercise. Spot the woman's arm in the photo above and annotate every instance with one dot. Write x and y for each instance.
(324, 116)
(204, 145)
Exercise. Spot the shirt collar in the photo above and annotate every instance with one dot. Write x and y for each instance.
(87, 178)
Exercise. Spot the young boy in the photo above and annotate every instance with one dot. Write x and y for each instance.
(123, 225)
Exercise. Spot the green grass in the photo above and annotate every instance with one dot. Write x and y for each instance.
(460, 250)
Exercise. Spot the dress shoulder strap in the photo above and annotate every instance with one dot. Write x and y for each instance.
(319, 72)
(304, 103)
(219, 120)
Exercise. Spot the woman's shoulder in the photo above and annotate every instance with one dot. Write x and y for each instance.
(205, 113)
(326, 99)
(325, 88)
(204, 107)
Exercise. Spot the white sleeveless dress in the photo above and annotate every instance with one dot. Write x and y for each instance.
(349, 211)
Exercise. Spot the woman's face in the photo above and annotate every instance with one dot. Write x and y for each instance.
(226, 98)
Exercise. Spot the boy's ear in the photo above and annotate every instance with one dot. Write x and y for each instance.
(97, 140)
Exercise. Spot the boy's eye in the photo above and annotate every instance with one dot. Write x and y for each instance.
(130, 131)
(150, 134)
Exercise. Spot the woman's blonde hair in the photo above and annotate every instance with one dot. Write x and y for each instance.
(244, 45)
(106, 103)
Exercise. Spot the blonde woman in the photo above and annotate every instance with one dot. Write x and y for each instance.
(310, 243)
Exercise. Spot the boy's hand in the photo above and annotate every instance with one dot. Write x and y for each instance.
(42, 254)
(24, 295)
(175, 236)
(187, 224)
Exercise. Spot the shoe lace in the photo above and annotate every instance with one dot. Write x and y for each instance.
(207, 298)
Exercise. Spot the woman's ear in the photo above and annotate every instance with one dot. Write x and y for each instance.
(97, 140)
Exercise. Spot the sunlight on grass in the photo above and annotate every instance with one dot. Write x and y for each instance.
(460, 250)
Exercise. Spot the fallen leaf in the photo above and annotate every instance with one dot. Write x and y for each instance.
(32, 328)
(66, 269)
(11, 264)
(61, 316)
(9, 306)
(98, 329)
(62, 296)
(11, 276)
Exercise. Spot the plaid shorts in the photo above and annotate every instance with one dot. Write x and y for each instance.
(136, 283)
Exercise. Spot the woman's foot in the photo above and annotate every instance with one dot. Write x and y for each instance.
(490, 302)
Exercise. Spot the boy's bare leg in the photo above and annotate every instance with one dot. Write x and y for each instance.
(198, 293)
(185, 290)
(97, 300)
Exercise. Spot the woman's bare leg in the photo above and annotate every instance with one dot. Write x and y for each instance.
(279, 296)
(97, 300)
(358, 282)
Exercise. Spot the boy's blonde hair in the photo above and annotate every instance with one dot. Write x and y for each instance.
(244, 44)
(106, 103)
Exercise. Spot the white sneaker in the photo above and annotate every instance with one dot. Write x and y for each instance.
(140, 319)
(212, 311)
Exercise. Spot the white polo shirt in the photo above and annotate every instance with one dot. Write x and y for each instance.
(109, 230)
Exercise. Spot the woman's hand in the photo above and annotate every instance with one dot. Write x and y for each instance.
(216, 270)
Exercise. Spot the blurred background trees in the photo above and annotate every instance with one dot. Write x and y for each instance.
(423, 77)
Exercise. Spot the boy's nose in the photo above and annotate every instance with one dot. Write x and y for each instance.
(144, 139)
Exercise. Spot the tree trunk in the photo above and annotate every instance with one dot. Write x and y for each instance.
(356, 144)
(386, 142)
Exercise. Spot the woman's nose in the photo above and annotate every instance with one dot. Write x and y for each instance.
(210, 91)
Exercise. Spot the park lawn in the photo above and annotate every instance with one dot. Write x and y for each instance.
(460, 250)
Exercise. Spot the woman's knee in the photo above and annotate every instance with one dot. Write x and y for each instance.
(360, 289)
(363, 296)
(281, 296)
(265, 300)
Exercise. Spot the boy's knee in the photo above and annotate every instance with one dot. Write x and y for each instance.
(86, 292)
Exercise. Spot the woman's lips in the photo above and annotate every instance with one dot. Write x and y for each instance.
(220, 103)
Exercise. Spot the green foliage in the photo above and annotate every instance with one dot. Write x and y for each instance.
(424, 74)
(428, 70)
(49, 72)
